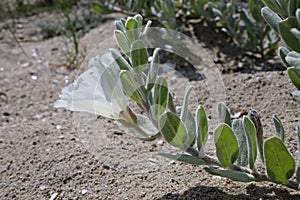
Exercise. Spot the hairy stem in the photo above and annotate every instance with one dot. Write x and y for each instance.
(211, 161)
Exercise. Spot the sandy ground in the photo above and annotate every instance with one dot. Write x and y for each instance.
(49, 153)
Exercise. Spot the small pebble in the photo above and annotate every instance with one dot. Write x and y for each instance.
(24, 65)
(172, 162)
(240, 65)
(20, 36)
(84, 191)
(168, 46)
(45, 107)
(66, 79)
(19, 26)
(53, 196)
(34, 54)
(42, 187)
(152, 160)
(216, 177)
(149, 186)
(160, 143)
(143, 194)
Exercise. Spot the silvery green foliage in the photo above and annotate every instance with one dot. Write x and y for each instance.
(246, 27)
(163, 11)
(260, 38)
(133, 77)
(284, 17)
(239, 131)
(224, 114)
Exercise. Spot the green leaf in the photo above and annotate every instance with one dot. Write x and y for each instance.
(141, 127)
(298, 159)
(233, 175)
(190, 124)
(279, 130)
(277, 6)
(238, 129)
(296, 33)
(139, 55)
(294, 75)
(184, 111)
(223, 114)
(271, 18)
(139, 20)
(285, 27)
(249, 25)
(131, 23)
(123, 42)
(132, 28)
(120, 26)
(123, 21)
(283, 52)
(153, 71)
(173, 130)
(293, 6)
(293, 58)
(279, 162)
(101, 9)
(296, 95)
(146, 29)
(122, 63)
(201, 127)
(184, 158)
(146, 125)
(298, 15)
(160, 99)
(254, 7)
(132, 87)
(250, 131)
(227, 148)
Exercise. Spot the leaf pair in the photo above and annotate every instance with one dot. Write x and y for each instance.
(133, 87)
(236, 144)
(131, 41)
(287, 28)
(279, 162)
(283, 7)
(184, 128)
(229, 148)
(160, 98)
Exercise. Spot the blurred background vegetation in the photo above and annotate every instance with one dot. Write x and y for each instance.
(240, 21)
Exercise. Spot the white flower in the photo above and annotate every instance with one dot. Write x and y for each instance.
(98, 90)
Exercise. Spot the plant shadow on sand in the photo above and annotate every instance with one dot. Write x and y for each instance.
(253, 192)
(231, 57)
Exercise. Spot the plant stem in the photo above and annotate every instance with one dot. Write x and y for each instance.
(258, 177)
(73, 33)
(17, 41)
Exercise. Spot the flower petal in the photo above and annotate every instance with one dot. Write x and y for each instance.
(86, 94)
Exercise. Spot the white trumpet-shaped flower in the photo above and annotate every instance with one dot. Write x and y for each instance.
(98, 90)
